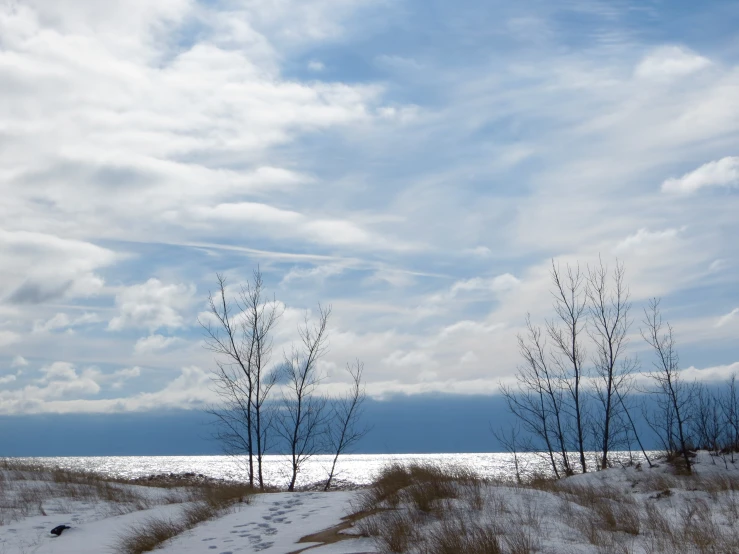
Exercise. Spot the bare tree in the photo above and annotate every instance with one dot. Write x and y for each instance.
(569, 354)
(301, 419)
(537, 399)
(343, 429)
(243, 345)
(510, 441)
(609, 322)
(729, 403)
(708, 427)
(674, 395)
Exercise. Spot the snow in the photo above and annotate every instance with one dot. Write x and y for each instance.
(553, 517)
(271, 524)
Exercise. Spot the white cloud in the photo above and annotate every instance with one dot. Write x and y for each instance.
(714, 373)
(151, 127)
(719, 173)
(8, 337)
(39, 267)
(127, 373)
(318, 272)
(498, 284)
(59, 321)
(155, 343)
(479, 251)
(470, 328)
(19, 361)
(152, 305)
(381, 390)
(264, 219)
(644, 237)
(7, 379)
(120, 376)
(62, 321)
(315, 65)
(414, 358)
(64, 390)
(727, 318)
(61, 379)
(670, 61)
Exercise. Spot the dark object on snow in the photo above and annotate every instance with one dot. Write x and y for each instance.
(58, 529)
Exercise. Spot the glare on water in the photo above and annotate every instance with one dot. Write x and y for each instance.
(356, 469)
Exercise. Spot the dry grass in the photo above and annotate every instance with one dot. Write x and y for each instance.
(148, 535)
(434, 510)
(456, 535)
(213, 501)
(29, 490)
(407, 498)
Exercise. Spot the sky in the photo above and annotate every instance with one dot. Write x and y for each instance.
(417, 165)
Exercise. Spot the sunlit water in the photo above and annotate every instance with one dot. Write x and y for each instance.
(357, 469)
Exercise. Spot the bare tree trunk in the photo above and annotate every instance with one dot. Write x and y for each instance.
(537, 398)
(608, 306)
(244, 345)
(301, 419)
(570, 305)
(511, 443)
(729, 402)
(343, 431)
(260, 317)
(633, 427)
(678, 396)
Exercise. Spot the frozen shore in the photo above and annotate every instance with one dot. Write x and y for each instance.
(630, 510)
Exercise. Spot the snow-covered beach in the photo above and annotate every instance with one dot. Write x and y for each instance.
(411, 509)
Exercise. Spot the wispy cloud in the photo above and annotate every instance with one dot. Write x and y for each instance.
(421, 188)
(719, 173)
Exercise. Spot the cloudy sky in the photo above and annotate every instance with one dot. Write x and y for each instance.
(415, 164)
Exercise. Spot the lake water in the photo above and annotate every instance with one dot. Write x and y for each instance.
(356, 469)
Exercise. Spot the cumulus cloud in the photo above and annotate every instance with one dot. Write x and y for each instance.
(718, 173)
(152, 305)
(65, 389)
(670, 61)
(155, 343)
(62, 379)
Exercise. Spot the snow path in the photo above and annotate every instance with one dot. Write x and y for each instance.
(272, 524)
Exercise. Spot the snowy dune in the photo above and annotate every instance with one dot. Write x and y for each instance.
(630, 510)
